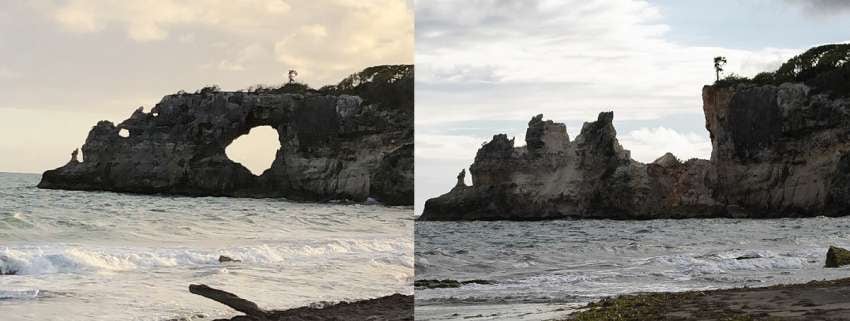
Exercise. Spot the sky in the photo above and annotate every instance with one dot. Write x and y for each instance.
(487, 66)
(64, 65)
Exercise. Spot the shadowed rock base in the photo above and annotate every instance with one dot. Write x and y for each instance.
(395, 307)
(813, 301)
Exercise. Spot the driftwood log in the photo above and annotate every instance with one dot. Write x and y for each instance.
(229, 299)
(394, 307)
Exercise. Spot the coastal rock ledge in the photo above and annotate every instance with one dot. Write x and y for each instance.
(350, 141)
(779, 150)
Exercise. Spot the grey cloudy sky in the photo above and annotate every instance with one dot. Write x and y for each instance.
(488, 66)
(64, 65)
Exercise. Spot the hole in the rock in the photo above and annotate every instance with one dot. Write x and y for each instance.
(255, 150)
(124, 133)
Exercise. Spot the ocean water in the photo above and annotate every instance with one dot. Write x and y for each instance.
(109, 256)
(544, 270)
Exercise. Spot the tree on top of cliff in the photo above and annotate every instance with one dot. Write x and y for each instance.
(719, 62)
(208, 90)
(825, 68)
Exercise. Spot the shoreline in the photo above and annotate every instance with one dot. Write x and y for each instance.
(815, 300)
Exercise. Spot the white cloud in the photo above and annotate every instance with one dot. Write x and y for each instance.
(6, 73)
(456, 147)
(151, 20)
(647, 144)
(362, 32)
(583, 57)
(244, 56)
(325, 40)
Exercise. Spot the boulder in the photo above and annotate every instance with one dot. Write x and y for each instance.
(225, 259)
(837, 257)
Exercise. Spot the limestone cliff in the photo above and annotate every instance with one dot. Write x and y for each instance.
(349, 141)
(779, 150)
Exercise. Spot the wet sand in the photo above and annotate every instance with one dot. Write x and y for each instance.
(813, 301)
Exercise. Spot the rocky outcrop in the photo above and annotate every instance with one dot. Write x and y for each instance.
(837, 257)
(349, 141)
(778, 151)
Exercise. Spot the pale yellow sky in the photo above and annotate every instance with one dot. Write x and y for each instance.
(66, 65)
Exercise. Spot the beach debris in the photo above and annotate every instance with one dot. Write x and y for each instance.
(225, 259)
(837, 257)
(396, 307)
(229, 299)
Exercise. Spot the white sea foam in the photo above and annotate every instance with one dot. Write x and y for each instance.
(109, 256)
(580, 261)
(71, 259)
(19, 294)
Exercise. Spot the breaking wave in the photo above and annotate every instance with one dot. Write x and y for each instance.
(50, 260)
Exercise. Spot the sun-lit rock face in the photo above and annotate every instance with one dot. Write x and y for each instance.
(350, 141)
(778, 151)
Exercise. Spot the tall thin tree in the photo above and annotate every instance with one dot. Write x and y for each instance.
(719, 62)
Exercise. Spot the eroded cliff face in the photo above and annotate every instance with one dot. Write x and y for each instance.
(778, 151)
(352, 141)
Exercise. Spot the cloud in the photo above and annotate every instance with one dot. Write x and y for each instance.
(325, 40)
(565, 59)
(152, 20)
(822, 7)
(242, 57)
(455, 147)
(647, 144)
(365, 32)
(6, 73)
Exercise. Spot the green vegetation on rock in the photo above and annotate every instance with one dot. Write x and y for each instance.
(824, 68)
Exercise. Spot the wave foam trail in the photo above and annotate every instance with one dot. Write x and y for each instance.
(18, 294)
(62, 259)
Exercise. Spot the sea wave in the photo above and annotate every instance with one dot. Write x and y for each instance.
(75, 259)
(21, 294)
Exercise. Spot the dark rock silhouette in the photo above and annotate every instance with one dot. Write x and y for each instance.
(226, 259)
(349, 141)
(837, 257)
(778, 151)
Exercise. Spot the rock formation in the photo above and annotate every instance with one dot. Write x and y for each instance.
(349, 141)
(837, 257)
(779, 150)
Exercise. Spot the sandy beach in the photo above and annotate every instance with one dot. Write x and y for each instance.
(813, 301)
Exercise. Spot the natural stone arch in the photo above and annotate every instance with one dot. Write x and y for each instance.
(255, 150)
(338, 143)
